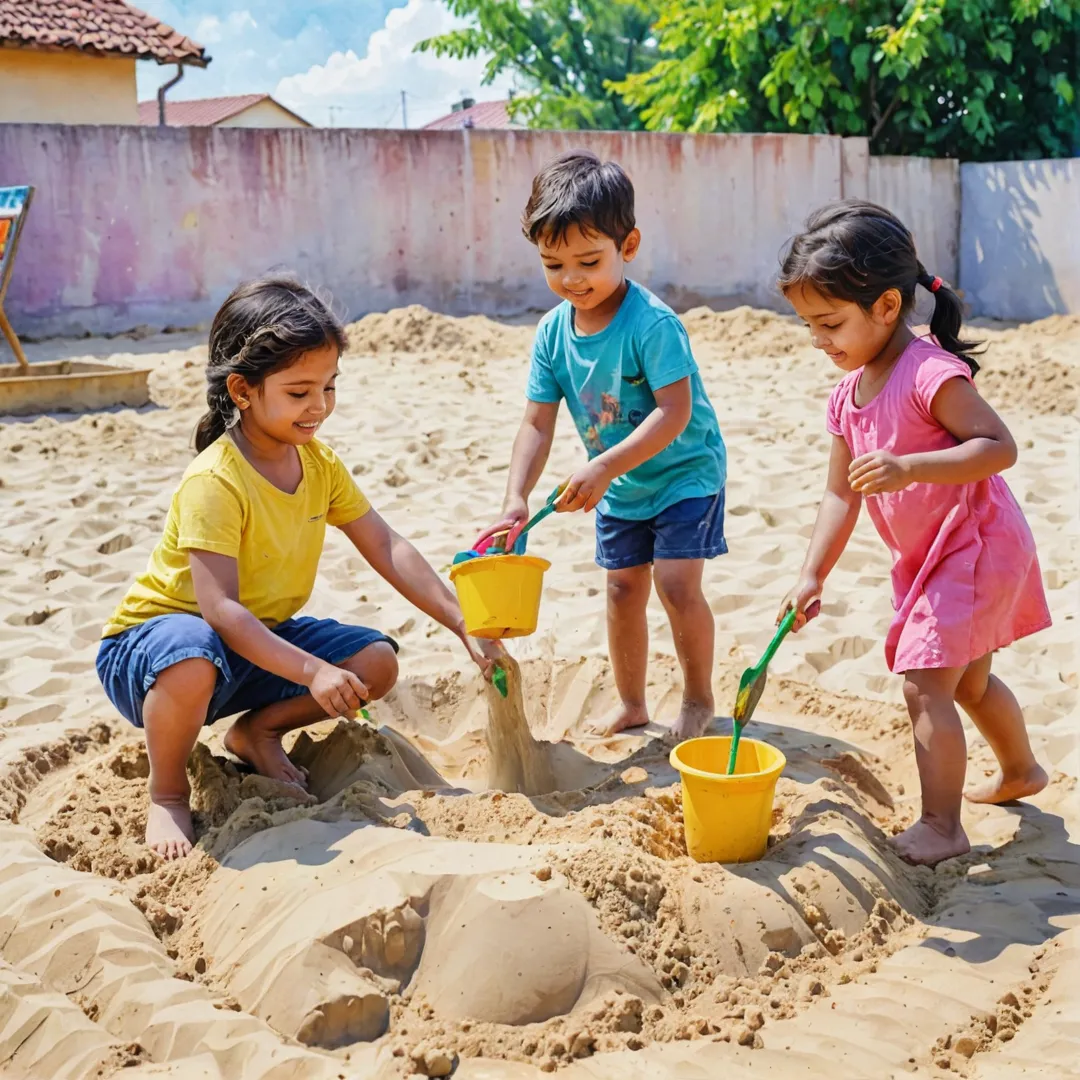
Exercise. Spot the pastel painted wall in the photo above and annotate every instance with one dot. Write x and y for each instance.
(66, 87)
(147, 225)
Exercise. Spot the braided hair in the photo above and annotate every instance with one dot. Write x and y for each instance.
(854, 251)
(264, 326)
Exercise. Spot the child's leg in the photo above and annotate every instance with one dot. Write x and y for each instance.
(628, 643)
(996, 713)
(256, 736)
(678, 583)
(941, 755)
(173, 712)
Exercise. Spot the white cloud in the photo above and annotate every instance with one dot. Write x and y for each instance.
(212, 31)
(352, 91)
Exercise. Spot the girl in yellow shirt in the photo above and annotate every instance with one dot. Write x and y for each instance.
(209, 629)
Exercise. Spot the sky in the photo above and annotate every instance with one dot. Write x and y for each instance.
(341, 63)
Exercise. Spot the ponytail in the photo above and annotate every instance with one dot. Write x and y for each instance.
(263, 327)
(221, 415)
(947, 319)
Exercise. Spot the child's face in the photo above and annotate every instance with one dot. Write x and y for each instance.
(850, 335)
(586, 269)
(290, 405)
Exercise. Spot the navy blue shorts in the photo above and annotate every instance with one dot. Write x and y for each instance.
(128, 664)
(691, 529)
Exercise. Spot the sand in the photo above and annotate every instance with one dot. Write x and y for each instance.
(410, 917)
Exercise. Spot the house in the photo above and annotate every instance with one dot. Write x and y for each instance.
(73, 61)
(486, 115)
(245, 110)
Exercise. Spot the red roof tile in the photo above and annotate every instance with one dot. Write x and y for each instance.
(104, 27)
(487, 115)
(204, 112)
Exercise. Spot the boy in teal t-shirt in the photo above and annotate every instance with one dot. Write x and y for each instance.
(621, 359)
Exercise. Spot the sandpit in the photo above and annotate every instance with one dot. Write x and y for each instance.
(410, 916)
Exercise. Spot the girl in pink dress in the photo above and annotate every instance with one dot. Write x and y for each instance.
(913, 437)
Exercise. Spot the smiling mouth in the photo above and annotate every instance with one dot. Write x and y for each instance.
(579, 292)
(309, 427)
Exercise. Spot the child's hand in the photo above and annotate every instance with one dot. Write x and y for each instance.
(515, 515)
(585, 488)
(805, 598)
(484, 653)
(878, 472)
(338, 692)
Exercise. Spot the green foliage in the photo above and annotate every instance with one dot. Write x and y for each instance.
(567, 54)
(974, 79)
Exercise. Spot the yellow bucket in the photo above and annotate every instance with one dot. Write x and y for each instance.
(727, 818)
(500, 594)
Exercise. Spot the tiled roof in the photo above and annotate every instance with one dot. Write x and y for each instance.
(204, 112)
(487, 115)
(104, 27)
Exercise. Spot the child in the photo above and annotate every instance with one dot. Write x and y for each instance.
(622, 361)
(912, 435)
(208, 630)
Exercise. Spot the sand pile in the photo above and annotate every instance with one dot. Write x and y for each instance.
(405, 919)
(414, 329)
(609, 936)
(745, 333)
(1033, 367)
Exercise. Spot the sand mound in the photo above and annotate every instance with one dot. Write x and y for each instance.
(608, 936)
(1033, 367)
(745, 333)
(415, 329)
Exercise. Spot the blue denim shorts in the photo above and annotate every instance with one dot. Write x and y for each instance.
(690, 529)
(129, 663)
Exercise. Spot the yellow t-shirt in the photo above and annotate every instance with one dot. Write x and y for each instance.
(226, 506)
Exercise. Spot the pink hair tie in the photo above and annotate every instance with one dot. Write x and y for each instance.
(935, 284)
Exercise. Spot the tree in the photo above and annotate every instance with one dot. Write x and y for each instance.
(567, 53)
(974, 79)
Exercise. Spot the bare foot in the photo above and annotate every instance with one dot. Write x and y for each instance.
(925, 845)
(169, 831)
(694, 717)
(621, 718)
(999, 790)
(263, 752)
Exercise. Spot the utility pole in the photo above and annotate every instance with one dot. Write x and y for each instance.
(404, 111)
(332, 109)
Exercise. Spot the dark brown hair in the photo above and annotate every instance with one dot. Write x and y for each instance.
(577, 188)
(264, 326)
(855, 251)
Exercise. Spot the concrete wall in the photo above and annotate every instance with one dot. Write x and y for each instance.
(1020, 238)
(66, 87)
(148, 225)
(156, 226)
(925, 194)
(264, 114)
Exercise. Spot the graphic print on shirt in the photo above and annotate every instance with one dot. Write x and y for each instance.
(605, 416)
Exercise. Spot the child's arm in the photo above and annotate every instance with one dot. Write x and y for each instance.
(527, 460)
(836, 517)
(217, 591)
(392, 557)
(674, 404)
(986, 447)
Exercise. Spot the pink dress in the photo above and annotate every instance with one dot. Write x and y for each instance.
(965, 575)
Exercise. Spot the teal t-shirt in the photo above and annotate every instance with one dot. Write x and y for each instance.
(609, 381)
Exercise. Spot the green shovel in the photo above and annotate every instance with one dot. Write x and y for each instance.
(752, 686)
